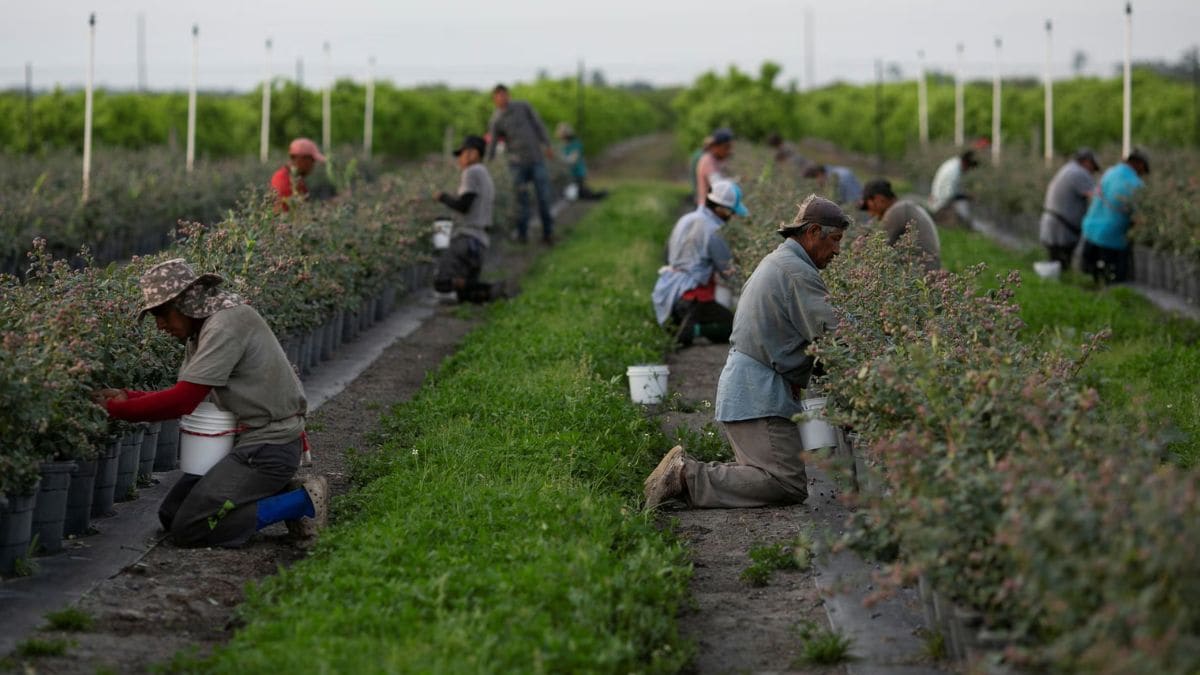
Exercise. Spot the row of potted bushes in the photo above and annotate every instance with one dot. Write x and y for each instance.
(70, 494)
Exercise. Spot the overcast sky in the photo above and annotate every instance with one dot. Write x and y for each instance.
(480, 42)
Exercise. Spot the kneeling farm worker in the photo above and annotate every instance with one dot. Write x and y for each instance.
(696, 256)
(233, 360)
(783, 309)
(460, 265)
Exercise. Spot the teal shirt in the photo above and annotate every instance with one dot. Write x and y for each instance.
(1109, 215)
(572, 150)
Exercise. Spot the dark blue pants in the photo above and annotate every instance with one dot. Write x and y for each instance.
(537, 174)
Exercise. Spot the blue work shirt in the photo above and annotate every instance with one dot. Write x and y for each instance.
(1107, 220)
(695, 252)
(783, 308)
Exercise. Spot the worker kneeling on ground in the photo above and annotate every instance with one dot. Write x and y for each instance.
(782, 311)
(696, 256)
(459, 267)
(897, 216)
(233, 360)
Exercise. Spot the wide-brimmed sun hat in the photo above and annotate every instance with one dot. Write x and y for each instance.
(170, 279)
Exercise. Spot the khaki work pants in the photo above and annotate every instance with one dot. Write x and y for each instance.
(769, 469)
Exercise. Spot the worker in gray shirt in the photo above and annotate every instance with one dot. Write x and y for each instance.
(898, 216)
(527, 146)
(1066, 202)
(783, 309)
(459, 266)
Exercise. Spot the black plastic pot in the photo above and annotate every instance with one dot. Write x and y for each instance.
(314, 348)
(16, 527)
(79, 498)
(167, 456)
(106, 479)
(149, 450)
(127, 465)
(51, 508)
(326, 335)
(349, 325)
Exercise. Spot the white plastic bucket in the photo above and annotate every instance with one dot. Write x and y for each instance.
(571, 192)
(648, 384)
(1048, 269)
(205, 437)
(815, 432)
(724, 296)
(441, 234)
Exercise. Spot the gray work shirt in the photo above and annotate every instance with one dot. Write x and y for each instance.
(695, 252)
(904, 215)
(782, 310)
(476, 221)
(1066, 196)
(523, 133)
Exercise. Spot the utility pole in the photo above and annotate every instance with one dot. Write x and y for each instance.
(87, 108)
(1127, 110)
(1049, 105)
(264, 140)
(191, 121)
(922, 103)
(141, 51)
(958, 99)
(996, 132)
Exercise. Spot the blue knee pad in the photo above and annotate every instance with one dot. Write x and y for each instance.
(286, 506)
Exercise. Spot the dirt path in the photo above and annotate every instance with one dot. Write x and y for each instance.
(184, 601)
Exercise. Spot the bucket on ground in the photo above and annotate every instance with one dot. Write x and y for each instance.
(648, 383)
(815, 432)
(1048, 269)
(442, 229)
(571, 192)
(205, 437)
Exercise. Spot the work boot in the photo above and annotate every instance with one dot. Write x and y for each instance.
(666, 481)
(305, 529)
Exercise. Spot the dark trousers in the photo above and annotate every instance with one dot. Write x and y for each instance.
(458, 270)
(1062, 254)
(711, 320)
(220, 508)
(537, 174)
(1106, 265)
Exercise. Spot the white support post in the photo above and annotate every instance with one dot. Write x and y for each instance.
(191, 121)
(369, 113)
(922, 103)
(996, 132)
(87, 108)
(326, 105)
(264, 140)
(958, 99)
(1127, 109)
(1049, 106)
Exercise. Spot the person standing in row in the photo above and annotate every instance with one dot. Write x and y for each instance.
(1108, 218)
(783, 309)
(696, 256)
(711, 167)
(1066, 203)
(460, 265)
(527, 147)
(288, 180)
(897, 216)
(233, 359)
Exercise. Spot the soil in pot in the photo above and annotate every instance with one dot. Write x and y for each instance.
(127, 466)
(50, 510)
(106, 479)
(16, 528)
(79, 498)
(166, 458)
(149, 451)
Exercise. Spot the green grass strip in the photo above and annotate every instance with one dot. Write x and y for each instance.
(500, 531)
(1151, 363)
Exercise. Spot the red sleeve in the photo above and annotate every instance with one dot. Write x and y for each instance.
(282, 182)
(156, 406)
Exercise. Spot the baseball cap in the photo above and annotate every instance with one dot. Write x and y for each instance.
(817, 210)
(722, 135)
(879, 186)
(303, 147)
(727, 193)
(469, 142)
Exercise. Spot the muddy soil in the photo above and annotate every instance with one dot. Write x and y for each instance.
(176, 603)
(737, 628)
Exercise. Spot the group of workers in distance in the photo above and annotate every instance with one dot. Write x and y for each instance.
(784, 307)
(233, 359)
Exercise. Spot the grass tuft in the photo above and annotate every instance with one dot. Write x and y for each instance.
(70, 619)
(37, 647)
